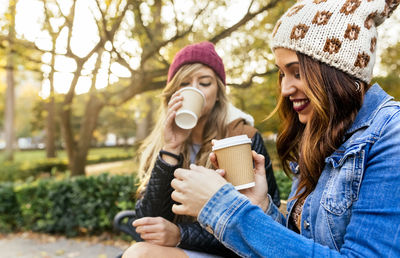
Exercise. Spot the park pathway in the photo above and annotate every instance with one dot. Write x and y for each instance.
(33, 245)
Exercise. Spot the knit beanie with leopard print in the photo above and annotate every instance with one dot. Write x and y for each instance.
(340, 33)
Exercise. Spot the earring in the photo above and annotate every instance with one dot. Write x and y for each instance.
(358, 86)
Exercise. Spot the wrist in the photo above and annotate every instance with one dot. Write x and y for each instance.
(264, 204)
(175, 150)
(179, 235)
(171, 158)
(179, 241)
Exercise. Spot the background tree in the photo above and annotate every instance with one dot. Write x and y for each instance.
(119, 121)
(155, 36)
(391, 65)
(17, 56)
(10, 90)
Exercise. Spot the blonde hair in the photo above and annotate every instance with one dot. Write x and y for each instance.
(215, 127)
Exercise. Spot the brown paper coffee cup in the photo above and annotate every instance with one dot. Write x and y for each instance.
(234, 156)
(192, 105)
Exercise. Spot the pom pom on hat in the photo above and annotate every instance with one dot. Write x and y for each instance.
(340, 33)
(204, 53)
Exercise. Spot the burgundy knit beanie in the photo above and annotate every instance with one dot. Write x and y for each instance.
(204, 53)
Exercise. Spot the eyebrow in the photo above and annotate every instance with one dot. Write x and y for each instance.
(289, 64)
(205, 76)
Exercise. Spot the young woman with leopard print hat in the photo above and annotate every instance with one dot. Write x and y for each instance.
(340, 141)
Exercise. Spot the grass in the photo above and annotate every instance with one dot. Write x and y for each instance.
(24, 155)
(117, 168)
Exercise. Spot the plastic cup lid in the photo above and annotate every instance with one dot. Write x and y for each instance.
(231, 141)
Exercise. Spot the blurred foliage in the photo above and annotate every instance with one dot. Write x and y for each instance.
(27, 97)
(2, 103)
(259, 100)
(284, 184)
(9, 210)
(117, 120)
(78, 206)
(391, 63)
(30, 165)
(391, 59)
(391, 84)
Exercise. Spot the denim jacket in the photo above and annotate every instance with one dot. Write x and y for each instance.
(353, 211)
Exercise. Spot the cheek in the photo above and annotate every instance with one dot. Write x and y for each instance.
(211, 98)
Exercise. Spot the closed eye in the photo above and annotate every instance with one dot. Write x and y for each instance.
(184, 84)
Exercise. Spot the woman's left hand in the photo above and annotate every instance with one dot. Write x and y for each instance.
(258, 193)
(193, 188)
(157, 230)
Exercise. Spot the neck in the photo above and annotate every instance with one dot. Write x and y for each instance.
(197, 132)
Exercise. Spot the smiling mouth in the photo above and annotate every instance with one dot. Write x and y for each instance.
(299, 105)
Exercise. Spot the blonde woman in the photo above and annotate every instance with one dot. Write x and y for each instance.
(169, 147)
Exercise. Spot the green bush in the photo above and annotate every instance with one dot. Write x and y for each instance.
(284, 183)
(9, 171)
(9, 209)
(33, 168)
(79, 205)
(95, 159)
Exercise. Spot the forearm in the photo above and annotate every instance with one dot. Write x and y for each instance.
(194, 237)
(232, 219)
(156, 200)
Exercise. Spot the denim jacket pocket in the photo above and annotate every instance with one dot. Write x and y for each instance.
(345, 170)
(342, 187)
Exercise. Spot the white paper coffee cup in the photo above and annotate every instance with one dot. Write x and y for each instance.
(192, 105)
(235, 157)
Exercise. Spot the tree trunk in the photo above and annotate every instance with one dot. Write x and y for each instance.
(66, 131)
(65, 116)
(78, 162)
(144, 124)
(10, 110)
(9, 115)
(51, 126)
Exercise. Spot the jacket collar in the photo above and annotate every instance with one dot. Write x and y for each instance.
(374, 99)
(234, 113)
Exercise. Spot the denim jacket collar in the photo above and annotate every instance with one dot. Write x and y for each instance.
(374, 99)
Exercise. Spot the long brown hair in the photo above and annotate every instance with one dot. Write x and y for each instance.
(336, 100)
(215, 127)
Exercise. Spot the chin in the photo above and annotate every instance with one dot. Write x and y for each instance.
(303, 120)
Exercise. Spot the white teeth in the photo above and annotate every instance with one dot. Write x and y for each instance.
(300, 103)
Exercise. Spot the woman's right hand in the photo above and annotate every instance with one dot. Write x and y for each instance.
(174, 136)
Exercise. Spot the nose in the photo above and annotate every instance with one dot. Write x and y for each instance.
(287, 88)
(195, 84)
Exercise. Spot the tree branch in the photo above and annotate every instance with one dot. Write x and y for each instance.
(177, 36)
(249, 81)
(248, 16)
(139, 15)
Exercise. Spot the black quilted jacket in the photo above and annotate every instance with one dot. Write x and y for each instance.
(156, 201)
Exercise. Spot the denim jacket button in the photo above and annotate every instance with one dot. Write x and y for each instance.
(306, 224)
(209, 229)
